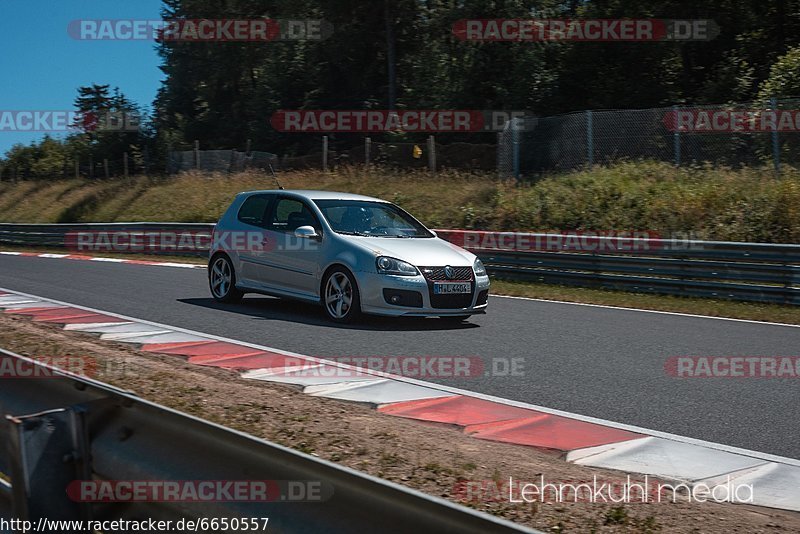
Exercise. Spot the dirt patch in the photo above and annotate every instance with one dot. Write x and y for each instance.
(436, 459)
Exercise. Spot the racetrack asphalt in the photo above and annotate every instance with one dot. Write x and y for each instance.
(594, 361)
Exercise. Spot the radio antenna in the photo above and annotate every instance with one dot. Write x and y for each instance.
(275, 176)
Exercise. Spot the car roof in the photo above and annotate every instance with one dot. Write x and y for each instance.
(316, 195)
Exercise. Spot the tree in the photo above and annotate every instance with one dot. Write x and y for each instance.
(784, 78)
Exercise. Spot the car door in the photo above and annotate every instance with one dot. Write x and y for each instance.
(294, 261)
(248, 238)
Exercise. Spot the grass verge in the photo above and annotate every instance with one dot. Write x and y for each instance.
(752, 311)
(749, 204)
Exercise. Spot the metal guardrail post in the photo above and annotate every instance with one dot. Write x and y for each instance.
(48, 451)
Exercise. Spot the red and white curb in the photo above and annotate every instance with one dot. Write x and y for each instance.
(585, 440)
(83, 257)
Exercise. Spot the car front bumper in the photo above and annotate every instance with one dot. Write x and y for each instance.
(372, 285)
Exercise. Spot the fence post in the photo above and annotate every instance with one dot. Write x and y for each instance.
(367, 149)
(499, 154)
(196, 154)
(515, 148)
(676, 137)
(776, 147)
(91, 167)
(431, 153)
(125, 164)
(589, 138)
(325, 153)
(247, 147)
(77, 169)
(105, 167)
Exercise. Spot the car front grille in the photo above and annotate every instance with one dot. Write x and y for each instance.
(453, 302)
(436, 274)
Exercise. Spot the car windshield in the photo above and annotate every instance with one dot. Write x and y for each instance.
(373, 219)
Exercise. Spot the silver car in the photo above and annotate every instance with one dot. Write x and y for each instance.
(351, 253)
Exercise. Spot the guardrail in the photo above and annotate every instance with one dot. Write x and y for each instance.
(59, 428)
(759, 272)
(59, 235)
(740, 271)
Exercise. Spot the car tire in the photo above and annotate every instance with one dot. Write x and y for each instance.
(222, 280)
(340, 297)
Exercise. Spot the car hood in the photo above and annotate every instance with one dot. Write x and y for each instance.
(422, 251)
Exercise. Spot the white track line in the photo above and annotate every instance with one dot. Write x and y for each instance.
(457, 391)
(102, 259)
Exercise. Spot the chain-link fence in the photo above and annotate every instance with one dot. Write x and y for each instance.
(424, 154)
(219, 160)
(732, 135)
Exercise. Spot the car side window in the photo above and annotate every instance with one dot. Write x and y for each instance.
(254, 209)
(290, 214)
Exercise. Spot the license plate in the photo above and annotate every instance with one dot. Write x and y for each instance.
(449, 288)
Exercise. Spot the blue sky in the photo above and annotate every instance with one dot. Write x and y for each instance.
(41, 66)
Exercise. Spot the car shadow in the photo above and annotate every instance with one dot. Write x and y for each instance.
(277, 309)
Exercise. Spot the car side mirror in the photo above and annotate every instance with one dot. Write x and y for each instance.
(306, 232)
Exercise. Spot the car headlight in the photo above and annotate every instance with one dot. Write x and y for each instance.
(478, 267)
(387, 265)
